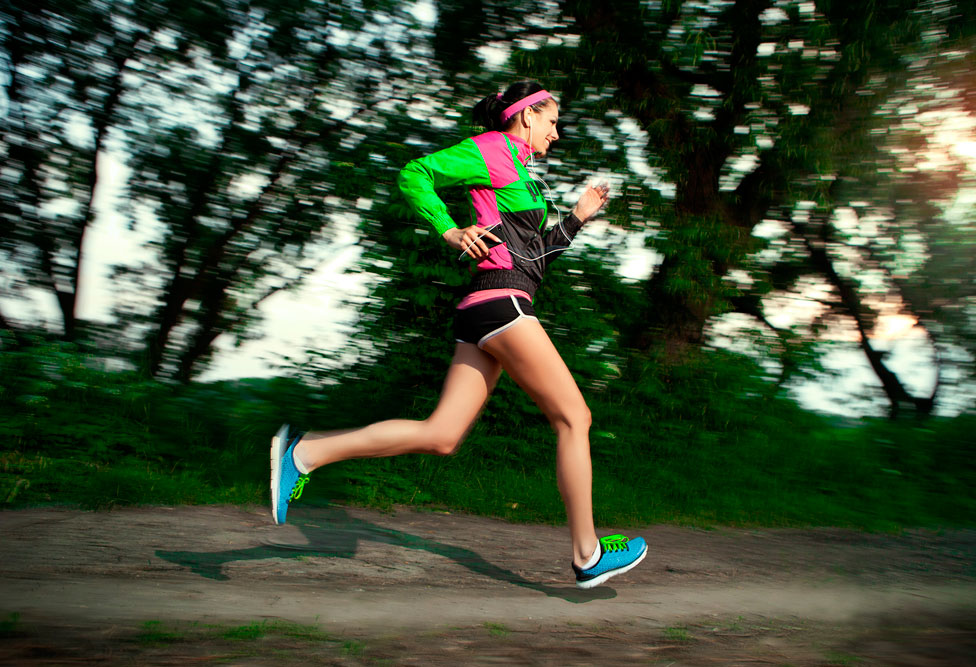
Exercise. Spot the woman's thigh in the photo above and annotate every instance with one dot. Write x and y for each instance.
(529, 357)
(470, 380)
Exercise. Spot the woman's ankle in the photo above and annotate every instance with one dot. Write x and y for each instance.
(300, 461)
(584, 561)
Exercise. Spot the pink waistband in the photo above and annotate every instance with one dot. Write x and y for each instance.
(486, 295)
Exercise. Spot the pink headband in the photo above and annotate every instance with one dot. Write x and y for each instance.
(534, 98)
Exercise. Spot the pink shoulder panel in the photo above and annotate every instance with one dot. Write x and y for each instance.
(497, 157)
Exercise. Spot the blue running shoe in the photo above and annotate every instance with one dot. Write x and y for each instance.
(617, 555)
(286, 482)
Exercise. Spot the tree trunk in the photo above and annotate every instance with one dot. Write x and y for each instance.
(898, 396)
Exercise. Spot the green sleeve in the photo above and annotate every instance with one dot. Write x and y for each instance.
(462, 164)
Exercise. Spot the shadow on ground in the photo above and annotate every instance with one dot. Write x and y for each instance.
(337, 535)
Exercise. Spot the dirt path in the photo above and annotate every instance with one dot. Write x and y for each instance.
(353, 586)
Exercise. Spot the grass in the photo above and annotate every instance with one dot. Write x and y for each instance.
(154, 632)
(840, 658)
(694, 447)
(248, 632)
(676, 634)
(353, 649)
(497, 629)
(285, 640)
(38, 479)
(159, 632)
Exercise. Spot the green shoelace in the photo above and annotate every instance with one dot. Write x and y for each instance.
(615, 543)
(296, 492)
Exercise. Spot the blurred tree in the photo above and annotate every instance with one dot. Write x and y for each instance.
(65, 66)
(249, 126)
(753, 109)
(238, 119)
(748, 114)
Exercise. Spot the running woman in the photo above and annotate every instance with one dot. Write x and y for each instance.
(495, 325)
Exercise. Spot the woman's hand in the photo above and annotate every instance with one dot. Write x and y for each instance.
(591, 202)
(468, 240)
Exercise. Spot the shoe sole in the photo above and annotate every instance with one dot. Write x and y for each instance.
(278, 444)
(596, 581)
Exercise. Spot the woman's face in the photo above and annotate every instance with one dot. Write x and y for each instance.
(542, 127)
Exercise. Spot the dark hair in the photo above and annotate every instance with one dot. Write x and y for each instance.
(488, 111)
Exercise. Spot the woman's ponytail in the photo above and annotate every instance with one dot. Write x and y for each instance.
(488, 111)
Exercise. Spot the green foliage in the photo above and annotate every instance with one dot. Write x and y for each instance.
(701, 444)
(696, 435)
(249, 129)
(707, 441)
(804, 93)
(225, 115)
(126, 481)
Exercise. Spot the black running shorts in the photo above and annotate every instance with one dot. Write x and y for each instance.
(478, 323)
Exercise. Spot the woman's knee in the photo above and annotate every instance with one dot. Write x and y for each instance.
(442, 440)
(578, 418)
(445, 447)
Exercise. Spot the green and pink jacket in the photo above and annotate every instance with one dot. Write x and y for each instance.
(503, 198)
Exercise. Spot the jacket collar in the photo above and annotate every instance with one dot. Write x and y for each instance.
(524, 150)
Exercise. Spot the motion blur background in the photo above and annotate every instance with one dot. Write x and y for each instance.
(773, 320)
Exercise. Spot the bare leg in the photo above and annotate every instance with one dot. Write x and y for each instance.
(470, 380)
(530, 358)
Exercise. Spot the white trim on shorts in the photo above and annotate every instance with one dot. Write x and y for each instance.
(504, 327)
